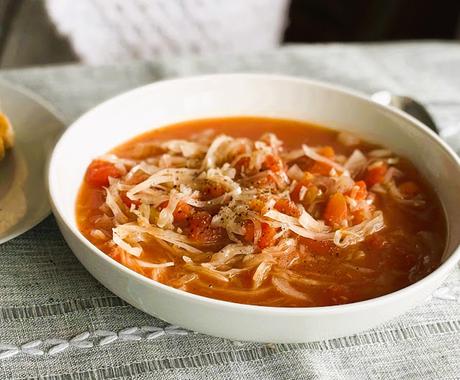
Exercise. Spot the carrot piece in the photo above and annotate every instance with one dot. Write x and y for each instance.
(99, 171)
(409, 189)
(336, 211)
(287, 207)
(375, 175)
(268, 236)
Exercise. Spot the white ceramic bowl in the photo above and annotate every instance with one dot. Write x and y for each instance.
(163, 103)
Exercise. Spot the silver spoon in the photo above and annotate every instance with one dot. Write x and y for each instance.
(408, 105)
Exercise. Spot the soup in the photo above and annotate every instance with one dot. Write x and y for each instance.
(263, 211)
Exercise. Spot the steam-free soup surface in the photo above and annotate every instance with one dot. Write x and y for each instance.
(263, 211)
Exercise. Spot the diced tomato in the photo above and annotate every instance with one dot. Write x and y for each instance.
(272, 163)
(358, 191)
(287, 207)
(99, 171)
(182, 212)
(211, 190)
(409, 189)
(267, 238)
(201, 231)
(336, 211)
(376, 175)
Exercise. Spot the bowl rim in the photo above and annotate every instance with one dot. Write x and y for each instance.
(439, 272)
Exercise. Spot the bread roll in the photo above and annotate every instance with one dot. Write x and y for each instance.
(6, 135)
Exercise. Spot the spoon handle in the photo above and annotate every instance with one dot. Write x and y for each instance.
(408, 105)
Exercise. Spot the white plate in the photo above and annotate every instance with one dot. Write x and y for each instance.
(23, 189)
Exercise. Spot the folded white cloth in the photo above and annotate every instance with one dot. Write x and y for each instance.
(102, 31)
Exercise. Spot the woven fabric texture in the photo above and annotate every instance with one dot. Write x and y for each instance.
(57, 322)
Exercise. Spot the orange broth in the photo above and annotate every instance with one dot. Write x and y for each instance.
(386, 261)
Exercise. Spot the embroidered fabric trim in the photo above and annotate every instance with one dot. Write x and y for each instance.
(89, 339)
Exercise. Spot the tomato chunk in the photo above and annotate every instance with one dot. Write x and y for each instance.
(287, 207)
(268, 236)
(376, 175)
(336, 212)
(182, 212)
(201, 231)
(211, 190)
(98, 173)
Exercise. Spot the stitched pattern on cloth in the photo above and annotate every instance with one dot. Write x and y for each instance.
(88, 339)
(104, 337)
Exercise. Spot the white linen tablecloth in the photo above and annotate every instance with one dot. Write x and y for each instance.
(57, 322)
